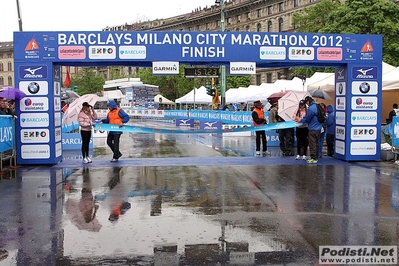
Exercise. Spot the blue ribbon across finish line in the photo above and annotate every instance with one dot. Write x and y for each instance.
(138, 129)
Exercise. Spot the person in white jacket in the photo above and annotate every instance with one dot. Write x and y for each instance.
(85, 118)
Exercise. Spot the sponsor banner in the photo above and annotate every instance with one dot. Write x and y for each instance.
(73, 141)
(35, 135)
(358, 255)
(32, 72)
(273, 53)
(102, 52)
(211, 124)
(340, 103)
(165, 68)
(364, 103)
(363, 148)
(340, 147)
(340, 89)
(242, 68)
(138, 129)
(71, 52)
(35, 151)
(34, 88)
(34, 120)
(362, 88)
(132, 52)
(364, 118)
(6, 133)
(364, 133)
(364, 73)
(34, 104)
(185, 122)
(332, 54)
(340, 132)
(301, 53)
(340, 118)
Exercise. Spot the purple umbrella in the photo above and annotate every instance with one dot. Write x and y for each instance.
(12, 93)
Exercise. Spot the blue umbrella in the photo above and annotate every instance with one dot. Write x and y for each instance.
(12, 93)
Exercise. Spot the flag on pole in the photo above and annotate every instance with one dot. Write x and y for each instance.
(67, 82)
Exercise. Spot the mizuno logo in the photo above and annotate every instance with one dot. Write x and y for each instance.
(364, 72)
(32, 71)
(209, 124)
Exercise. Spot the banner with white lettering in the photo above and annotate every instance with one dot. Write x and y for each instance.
(7, 132)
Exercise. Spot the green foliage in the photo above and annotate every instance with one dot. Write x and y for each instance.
(87, 81)
(355, 17)
(237, 81)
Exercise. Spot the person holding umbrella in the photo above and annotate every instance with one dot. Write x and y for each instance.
(314, 129)
(85, 118)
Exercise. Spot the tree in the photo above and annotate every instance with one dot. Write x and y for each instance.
(87, 81)
(355, 17)
(369, 17)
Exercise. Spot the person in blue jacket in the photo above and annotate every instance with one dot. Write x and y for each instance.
(314, 127)
(118, 117)
(330, 123)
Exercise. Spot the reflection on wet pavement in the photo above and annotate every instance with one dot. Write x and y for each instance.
(231, 214)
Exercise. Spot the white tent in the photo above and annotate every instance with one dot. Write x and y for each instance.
(294, 84)
(390, 80)
(195, 96)
(326, 84)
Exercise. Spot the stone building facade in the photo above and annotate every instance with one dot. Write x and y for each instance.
(7, 64)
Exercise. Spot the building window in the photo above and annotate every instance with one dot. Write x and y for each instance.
(269, 77)
(207, 26)
(270, 10)
(217, 23)
(198, 27)
(9, 81)
(247, 28)
(311, 1)
(296, 3)
(1, 81)
(269, 26)
(259, 27)
(239, 18)
(228, 21)
(237, 29)
(1, 67)
(258, 79)
(190, 28)
(281, 7)
(249, 15)
(9, 65)
(280, 25)
(259, 11)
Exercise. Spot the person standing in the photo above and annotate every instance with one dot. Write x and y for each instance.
(258, 119)
(392, 113)
(118, 117)
(330, 125)
(301, 131)
(314, 127)
(85, 118)
(322, 132)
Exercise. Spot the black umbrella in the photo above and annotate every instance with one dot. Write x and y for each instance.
(68, 94)
(319, 94)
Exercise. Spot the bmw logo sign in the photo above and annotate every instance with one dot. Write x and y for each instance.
(33, 87)
(340, 88)
(364, 87)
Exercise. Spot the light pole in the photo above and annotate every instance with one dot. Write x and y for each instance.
(222, 68)
(19, 16)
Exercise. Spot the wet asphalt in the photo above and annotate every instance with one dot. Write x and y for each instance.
(193, 200)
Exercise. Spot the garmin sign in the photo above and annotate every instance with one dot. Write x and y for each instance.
(165, 68)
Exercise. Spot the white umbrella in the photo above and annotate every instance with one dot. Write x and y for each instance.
(74, 108)
(289, 103)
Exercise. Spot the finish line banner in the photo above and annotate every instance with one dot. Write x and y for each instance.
(138, 129)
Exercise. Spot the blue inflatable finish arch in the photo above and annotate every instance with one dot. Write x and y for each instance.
(40, 55)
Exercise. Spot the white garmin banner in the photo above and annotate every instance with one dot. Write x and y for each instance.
(242, 68)
(165, 68)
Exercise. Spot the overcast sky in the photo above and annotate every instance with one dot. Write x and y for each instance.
(86, 15)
